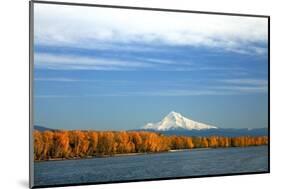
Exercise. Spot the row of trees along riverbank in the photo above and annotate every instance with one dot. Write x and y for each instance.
(74, 144)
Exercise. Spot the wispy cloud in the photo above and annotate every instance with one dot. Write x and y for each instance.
(56, 96)
(58, 79)
(54, 61)
(207, 91)
(246, 85)
(244, 89)
(163, 61)
(72, 62)
(178, 92)
(99, 82)
(246, 81)
(178, 87)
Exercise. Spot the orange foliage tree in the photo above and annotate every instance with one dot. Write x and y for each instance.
(76, 143)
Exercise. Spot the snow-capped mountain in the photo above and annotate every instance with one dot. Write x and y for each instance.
(175, 121)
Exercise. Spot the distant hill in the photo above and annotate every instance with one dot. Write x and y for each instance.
(217, 132)
(41, 128)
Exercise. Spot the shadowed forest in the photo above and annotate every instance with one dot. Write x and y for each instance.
(81, 144)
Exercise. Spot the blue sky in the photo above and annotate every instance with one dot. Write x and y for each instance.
(114, 69)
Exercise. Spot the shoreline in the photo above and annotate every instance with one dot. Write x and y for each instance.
(135, 154)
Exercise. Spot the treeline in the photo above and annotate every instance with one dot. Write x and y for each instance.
(79, 144)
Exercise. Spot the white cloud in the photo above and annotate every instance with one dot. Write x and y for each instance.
(96, 81)
(56, 96)
(81, 62)
(177, 92)
(246, 85)
(260, 82)
(180, 92)
(58, 79)
(77, 26)
(244, 89)
(223, 90)
(72, 62)
(202, 91)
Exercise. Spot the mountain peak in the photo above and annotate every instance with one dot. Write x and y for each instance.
(175, 120)
(174, 114)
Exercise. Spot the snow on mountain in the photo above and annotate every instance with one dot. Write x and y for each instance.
(174, 121)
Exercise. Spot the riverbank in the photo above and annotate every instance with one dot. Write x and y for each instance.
(135, 154)
(91, 157)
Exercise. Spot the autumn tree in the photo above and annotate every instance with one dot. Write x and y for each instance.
(213, 142)
(61, 143)
(105, 143)
(48, 141)
(79, 143)
(137, 140)
(93, 142)
(188, 143)
(38, 145)
(70, 144)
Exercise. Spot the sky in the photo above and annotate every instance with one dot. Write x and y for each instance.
(118, 69)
